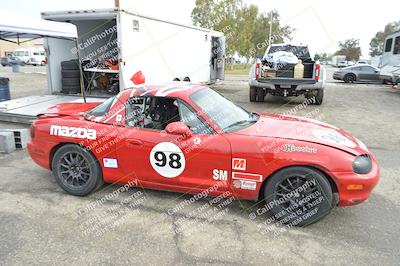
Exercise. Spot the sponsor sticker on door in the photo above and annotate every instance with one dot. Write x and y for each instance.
(239, 164)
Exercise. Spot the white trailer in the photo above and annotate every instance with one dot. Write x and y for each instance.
(390, 60)
(164, 51)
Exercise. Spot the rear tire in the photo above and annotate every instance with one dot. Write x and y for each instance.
(349, 78)
(299, 195)
(70, 82)
(76, 170)
(70, 65)
(70, 74)
(260, 95)
(319, 97)
(253, 94)
(71, 89)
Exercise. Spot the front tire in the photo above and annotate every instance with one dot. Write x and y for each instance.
(298, 195)
(76, 170)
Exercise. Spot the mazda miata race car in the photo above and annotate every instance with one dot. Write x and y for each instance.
(188, 138)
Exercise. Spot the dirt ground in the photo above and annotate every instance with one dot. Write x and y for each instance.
(39, 224)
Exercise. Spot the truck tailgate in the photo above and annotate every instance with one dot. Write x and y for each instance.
(287, 81)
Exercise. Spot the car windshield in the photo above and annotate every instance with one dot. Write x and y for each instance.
(226, 115)
(101, 109)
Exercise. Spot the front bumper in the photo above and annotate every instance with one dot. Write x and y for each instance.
(346, 180)
(287, 84)
(336, 76)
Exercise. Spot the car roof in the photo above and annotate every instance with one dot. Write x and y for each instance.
(358, 65)
(173, 90)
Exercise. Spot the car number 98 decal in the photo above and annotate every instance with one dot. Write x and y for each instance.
(167, 159)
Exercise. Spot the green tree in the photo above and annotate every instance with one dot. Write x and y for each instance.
(279, 33)
(245, 28)
(350, 48)
(219, 15)
(376, 44)
(323, 57)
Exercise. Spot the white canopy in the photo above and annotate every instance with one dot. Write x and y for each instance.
(14, 27)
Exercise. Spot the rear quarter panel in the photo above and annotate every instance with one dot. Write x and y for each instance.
(44, 144)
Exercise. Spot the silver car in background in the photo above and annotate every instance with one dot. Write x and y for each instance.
(364, 73)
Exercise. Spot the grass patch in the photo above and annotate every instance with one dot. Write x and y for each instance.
(237, 69)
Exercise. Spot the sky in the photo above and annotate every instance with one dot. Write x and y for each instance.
(319, 24)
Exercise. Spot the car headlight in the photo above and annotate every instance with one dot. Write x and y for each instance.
(362, 164)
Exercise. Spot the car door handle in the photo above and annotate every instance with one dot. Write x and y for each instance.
(134, 142)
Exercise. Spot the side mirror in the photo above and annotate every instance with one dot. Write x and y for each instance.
(138, 78)
(178, 128)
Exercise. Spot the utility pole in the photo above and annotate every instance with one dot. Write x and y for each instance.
(270, 27)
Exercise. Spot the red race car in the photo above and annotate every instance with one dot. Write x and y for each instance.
(188, 138)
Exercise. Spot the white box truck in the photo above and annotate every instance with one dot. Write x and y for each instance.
(339, 61)
(31, 55)
(164, 51)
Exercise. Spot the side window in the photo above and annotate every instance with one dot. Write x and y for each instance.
(151, 112)
(26, 53)
(368, 69)
(388, 45)
(190, 118)
(396, 48)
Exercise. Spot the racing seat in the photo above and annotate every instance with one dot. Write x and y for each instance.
(171, 114)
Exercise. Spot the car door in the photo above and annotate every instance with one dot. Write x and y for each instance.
(369, 73)
(166, 160)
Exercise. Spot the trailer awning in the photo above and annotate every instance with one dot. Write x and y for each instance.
(17, 28)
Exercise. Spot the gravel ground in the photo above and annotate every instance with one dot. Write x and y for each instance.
(29, 81)
(39, 223)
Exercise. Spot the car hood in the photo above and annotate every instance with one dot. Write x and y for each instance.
(69, 109)
(304, 129)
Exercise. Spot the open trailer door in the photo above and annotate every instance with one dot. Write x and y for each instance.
(217, 58)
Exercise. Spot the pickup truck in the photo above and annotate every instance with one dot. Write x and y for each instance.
(266, 77)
